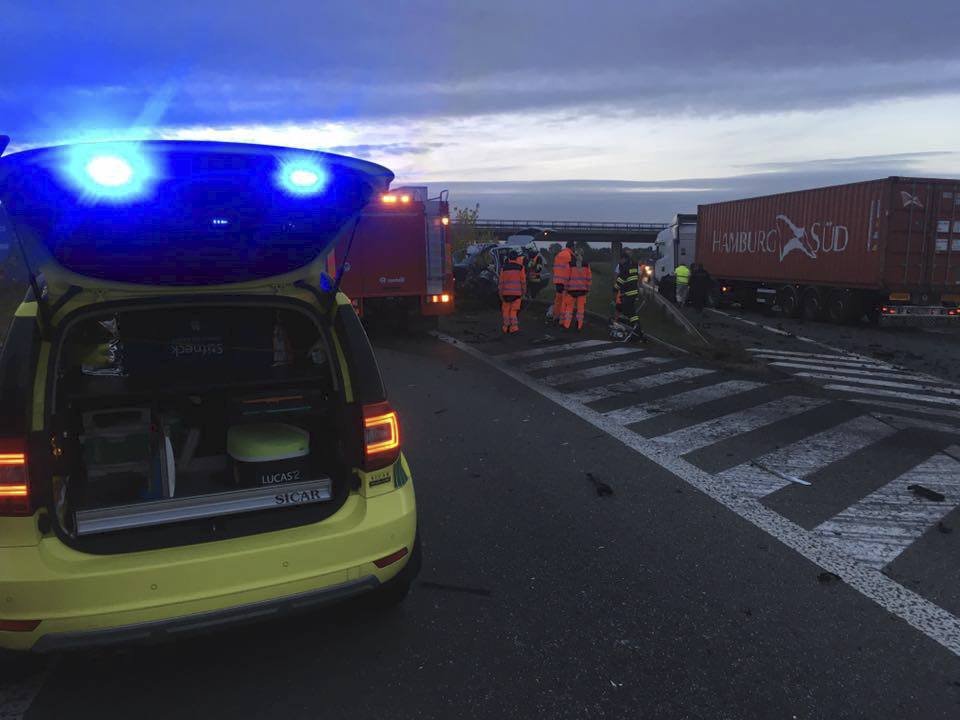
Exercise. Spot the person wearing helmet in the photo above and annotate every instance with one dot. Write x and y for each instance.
(512, 287)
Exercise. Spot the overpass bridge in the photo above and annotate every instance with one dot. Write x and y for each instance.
(576, 230)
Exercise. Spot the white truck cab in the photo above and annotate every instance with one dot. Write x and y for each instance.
(676, 245)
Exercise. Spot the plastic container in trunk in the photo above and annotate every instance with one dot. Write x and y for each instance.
(265, 454)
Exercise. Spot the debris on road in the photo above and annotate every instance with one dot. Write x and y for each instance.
(441, 411)
(601, 487)
(927, 493)
(944, 528)
(827, 577)
(782, 476)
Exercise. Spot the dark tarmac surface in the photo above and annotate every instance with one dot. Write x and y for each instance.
(539, 598)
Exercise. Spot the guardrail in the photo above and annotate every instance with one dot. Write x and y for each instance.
(571, 226)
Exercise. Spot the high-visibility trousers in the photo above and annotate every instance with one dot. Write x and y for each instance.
(558, 302)
(573, 306)
(510, 309)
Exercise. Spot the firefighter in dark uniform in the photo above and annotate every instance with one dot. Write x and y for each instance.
(628, 285)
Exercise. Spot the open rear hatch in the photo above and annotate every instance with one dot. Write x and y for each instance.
(188, 399)
(184, 214)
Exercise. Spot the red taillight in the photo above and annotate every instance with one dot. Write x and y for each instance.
(14, 486)
(19, 625)
(381, 436)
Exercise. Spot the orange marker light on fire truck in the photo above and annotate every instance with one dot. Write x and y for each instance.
(445, 220)
(389, 199)
(445, 298)
(405, 199)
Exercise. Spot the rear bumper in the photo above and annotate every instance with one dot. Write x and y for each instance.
(83, 599)
(176, 627)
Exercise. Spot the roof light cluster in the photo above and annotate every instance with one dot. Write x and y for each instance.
(122, 172)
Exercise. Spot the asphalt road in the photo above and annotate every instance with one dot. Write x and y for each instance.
(541, 598)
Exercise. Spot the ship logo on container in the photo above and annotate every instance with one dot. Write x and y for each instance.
(910, 200)
(799, 241)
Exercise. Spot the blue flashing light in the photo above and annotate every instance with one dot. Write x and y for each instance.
(110, 171)
(117, 172)
(302, 177)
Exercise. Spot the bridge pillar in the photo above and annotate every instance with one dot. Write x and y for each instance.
(615, 247)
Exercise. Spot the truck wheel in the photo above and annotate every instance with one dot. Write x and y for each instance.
(840, 308)
(812, 305)
(790, 305)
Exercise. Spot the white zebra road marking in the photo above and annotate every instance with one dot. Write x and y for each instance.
(546, 349)
(886, 522)
(707, 433)
(584, 357)
(805, 457)
(680, 401)
(601, 370)
(930, 619)
(646, 382)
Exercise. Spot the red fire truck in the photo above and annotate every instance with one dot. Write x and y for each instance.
(400, 265)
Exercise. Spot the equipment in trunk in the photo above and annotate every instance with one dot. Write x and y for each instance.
(205, 412)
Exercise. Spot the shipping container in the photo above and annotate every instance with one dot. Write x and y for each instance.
(884, 247)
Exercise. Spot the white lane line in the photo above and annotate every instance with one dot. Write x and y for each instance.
(902, 421)
(838, 362)
(778, 331)
(584, 357)
(893, 393)
(930, 619)
(680, 401)
(805, 457)
(837, 357)
(734, 317)
(920, 388)
(552, 349)
(601, 370)
(856, 370)
(802, 338)
(894, 405)
(641, 383)
(884, 523)
(706, 433)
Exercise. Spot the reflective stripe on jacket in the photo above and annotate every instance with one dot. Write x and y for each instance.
(628, 282)
(561, 266)
(513, 280)
(579, 282)
(683, 275)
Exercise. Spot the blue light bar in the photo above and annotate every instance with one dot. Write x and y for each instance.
(116, 172)
(298, 176)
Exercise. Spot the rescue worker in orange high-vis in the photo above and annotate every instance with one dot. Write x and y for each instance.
(561, 272)
(575, 297)
(512, 287)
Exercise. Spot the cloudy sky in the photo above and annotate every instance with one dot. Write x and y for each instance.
(533, 108)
